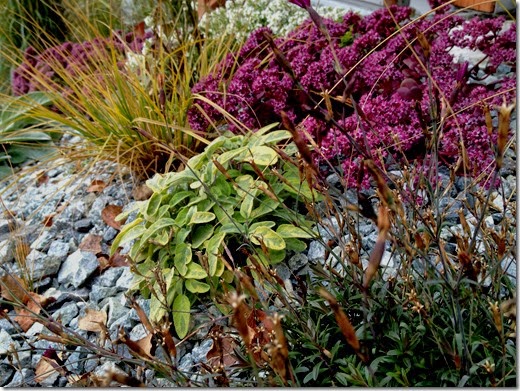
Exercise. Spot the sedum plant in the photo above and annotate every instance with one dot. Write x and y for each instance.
(237, 194)
(241, 17)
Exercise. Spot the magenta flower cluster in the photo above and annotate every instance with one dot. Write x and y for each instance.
(72, 58)
(395, 79)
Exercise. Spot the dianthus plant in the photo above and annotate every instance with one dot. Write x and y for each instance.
(407, 85)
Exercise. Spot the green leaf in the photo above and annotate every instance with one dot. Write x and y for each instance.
(295, 245)
(212, 251)
(265, 207)
(290, 231)
(195, 286)
(181, 235)
(184, 215)
(182, 258)
(181, 315)
(162, 239)
(157, 226)
(178, 197)
(247, 206)
(264, 130)
(270, 238)
(202, 217)
(201, 234)
(274, 137)
(129, 232)
(245, 184)
(275, 256)
(233, 154)
(231, 228)
(263, 155)
(153, 206)
(195, 271)
(157, 310)
(268, 224)
(26, 136)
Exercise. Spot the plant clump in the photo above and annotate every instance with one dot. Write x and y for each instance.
(241, 17)
(378, 81)
(235, 198)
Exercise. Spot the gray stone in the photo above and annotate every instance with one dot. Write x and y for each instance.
(6, 373)
(25, 355)
(509, 267)
(297, 262)
(186, 363)
(35, 329)
(117, 311)
(83, 225)
(126, 279)
(40, 265)
(97, 206)
(138, 332)
(450, 207)
(164, 383)
(283, 271)
(76, 210)
(41, 283)
(43, 241)
(110, 234)
(8, 327)
(91, 362)
(329, 229)
(23, 378)
(74, 362)
(316, 251)
(66, 313)
(5, 226)
(99, 292)
(58, 250)
(62, 295)
(77, 268)
(200, 352)
(7, 248)
(7, 342)
(110, 276)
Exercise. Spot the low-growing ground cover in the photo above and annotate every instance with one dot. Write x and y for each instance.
(356, 227)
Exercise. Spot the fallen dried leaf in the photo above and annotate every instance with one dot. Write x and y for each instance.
(96, 186)
(27, 316)
(142, 348)
(222, 353)
(44, 369)
(142, 192)
(93, 321)
(109, 213)
(104, 262)
(47, 220)
(14, 289)
(91, 243)
(144, 318)
(118, 260)
(42, 178)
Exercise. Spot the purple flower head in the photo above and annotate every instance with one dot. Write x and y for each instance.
(301, 3)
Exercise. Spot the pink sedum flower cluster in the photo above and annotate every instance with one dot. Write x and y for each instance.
(387, 79)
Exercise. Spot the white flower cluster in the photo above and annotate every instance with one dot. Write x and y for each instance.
(241, 17)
